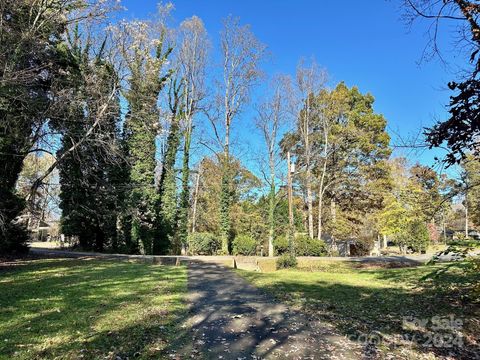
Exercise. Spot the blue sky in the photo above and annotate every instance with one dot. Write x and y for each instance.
(364, 43)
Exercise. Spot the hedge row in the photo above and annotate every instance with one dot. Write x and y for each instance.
(209, 244)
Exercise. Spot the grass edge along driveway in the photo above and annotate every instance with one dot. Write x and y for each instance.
(375, 306)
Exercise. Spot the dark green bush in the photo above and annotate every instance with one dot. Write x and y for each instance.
(286, 261)
(304, 246)
(280, 245)
(203, 244)
(244, 245)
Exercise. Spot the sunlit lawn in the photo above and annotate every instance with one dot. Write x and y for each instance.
(89, 309)
(366, 301)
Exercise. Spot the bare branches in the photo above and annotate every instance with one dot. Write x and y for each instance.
(310, 80)
(98, 119)
(435, 14)
(272, 115)
(463, 12)
(192, 58)
(242, 54)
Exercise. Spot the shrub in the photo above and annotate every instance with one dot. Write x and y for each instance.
(244, 245)
(363, 245)
(304, 246)
(415, 236)
(203, 244)
(419, 236)
(465, 243)
(13, 234)
(280, 245)
(286, 261)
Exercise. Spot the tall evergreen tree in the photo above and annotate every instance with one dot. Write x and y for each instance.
(146, 81)
(184, 200)
(87, 174)
(165, 239)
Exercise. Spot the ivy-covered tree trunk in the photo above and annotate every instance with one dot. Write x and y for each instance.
(146, 82)
(165, 241)
(124, 242)
(184, 205)
(225, 204)
(142, 197)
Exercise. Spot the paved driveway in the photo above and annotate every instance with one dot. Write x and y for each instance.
(231, 319)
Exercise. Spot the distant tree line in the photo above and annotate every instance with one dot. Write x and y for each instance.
(140, 137)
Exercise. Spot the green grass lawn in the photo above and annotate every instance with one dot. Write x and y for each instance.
(366, 301)
(90, 309)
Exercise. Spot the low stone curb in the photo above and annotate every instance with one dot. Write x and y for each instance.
(264, 264)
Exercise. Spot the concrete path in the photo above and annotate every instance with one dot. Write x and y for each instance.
(231, 319)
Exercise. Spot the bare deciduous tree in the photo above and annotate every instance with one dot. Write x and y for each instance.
(192, 57)
(310, 80)
(241, 57)
(272, 114)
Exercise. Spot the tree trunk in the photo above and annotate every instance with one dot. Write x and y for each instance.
(333, 213)
(195, 198)
(466, 215)
(99, 238)
(225, 193)
(165, 240)
(307, 153)
(290, 203)
(272, 204)
(320, 210)
(309, 203)
(333, 210)
(444, 227)
(321, 190)
(322, 179)
(183, 211)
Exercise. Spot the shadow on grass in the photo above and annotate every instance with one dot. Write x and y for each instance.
(89, 309)
(386, 309)
(231, 319)
(107, 309)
